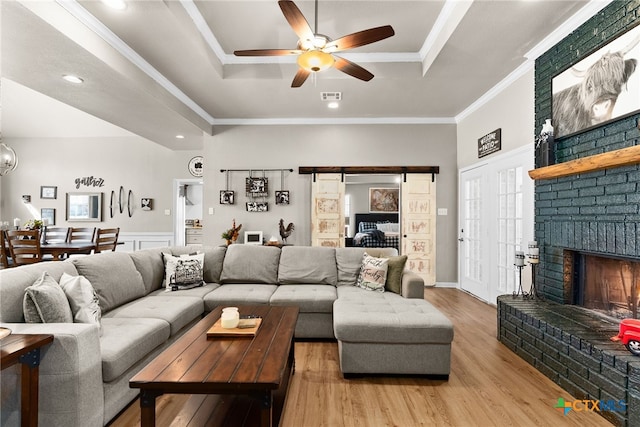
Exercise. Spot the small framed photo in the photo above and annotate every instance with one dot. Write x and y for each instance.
(48, 192)
(282, 197)
(257, 206)
(227, 197)
(49, 214)
(253, 237)
(257, 187)
(146, 204)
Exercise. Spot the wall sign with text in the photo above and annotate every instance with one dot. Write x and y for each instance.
(490, 143)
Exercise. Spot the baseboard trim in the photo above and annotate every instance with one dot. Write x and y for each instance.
(447, 285)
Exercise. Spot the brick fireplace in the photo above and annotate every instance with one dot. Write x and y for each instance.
(579, 217)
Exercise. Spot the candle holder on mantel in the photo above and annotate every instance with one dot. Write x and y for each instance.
(519, 265)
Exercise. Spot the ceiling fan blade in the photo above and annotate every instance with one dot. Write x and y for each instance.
(267, 52)
(360, 38)
(300, 78)
(296, 19)
(352, 69)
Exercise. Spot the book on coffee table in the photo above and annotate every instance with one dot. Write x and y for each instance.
(246, 328)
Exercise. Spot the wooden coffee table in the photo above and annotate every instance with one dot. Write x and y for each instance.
(258, 366)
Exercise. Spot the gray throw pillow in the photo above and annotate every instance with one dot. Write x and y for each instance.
(83, 299)
(45, 302)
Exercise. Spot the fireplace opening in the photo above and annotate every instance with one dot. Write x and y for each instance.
(606, 284)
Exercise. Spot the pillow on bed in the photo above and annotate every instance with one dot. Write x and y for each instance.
(364, 226)
(388, 227)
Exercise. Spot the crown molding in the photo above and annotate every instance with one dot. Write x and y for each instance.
(337, 121)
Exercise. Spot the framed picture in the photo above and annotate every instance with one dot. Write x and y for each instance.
(47, 192)
(602, 87)
(48, 214)
(227, 197)
(257, 206)
(257, 187)
(282, 197)
(253, 237)
(146, 204)
(384, 199)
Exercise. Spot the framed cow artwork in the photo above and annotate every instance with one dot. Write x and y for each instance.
(602, 87)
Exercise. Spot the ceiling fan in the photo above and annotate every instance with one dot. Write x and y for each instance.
(316, 51)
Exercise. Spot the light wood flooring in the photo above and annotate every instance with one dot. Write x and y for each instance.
(488, 386)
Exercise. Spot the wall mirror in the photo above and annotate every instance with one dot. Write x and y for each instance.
(84, 206)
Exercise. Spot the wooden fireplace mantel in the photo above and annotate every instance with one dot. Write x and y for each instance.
(611, 159)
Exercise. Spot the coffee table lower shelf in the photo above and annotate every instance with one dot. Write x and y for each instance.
(235, 381)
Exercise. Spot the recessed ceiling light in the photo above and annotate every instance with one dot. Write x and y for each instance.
(333, 105)
(115, 4)
(72, 79)
(179, 136)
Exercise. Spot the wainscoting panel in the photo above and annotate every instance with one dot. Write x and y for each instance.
(137, 241)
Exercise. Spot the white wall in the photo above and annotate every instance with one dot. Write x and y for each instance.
(512, 110)
(255, 147)
(135, 163)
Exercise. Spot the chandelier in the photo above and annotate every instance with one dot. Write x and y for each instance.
(8, 159)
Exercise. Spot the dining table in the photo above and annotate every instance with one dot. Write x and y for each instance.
(58, 249)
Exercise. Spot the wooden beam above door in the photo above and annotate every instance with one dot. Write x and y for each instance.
(302, 170)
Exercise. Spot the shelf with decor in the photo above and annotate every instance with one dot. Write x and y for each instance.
(612, 159)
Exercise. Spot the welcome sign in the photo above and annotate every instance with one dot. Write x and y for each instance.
(490, 143)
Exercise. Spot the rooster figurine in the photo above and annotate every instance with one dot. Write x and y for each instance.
(285, 232)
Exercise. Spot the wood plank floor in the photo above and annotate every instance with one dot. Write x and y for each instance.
(488, 386)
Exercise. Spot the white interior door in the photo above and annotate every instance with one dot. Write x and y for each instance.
(419, 225)
(327, 210)
(496, 219)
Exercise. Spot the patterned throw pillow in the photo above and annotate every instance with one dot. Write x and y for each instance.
(45, 302)
(373, 273)
(184, 271)
(82, 299)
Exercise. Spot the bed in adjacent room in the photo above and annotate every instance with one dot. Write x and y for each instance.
(377, 230)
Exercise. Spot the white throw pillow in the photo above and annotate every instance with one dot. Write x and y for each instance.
(83, 299)
(184, 271)
(373, 273)
(389, 227)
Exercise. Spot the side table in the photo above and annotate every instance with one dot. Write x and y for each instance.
(25, 349)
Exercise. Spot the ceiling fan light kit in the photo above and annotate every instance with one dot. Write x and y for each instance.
(315, 51)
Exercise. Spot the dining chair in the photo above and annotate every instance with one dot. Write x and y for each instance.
(5, 258)
(106, 239)
(56, 234)
(24, 246)
(82, 234)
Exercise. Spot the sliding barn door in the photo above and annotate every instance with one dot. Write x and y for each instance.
(419, 225)
(327, 210)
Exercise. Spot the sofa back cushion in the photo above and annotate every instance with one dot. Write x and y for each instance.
(349, 261)
(114, 277)
(307, 265)
(213, 258)
(250, 264)
(14, 281)
(150, 265)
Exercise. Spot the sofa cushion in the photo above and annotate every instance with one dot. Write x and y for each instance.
(308, 298)
(250, 264)
(213, 259)
(389, 318)
(239, 294)
(114, 277)
(373, 273)
(183, 271)
(194, 292)
(307, 265)
(151, 267)
(45, 302)
(394, 273)
(349, 260)
(125, 341)
(177, 312)
(13, 282)
(82, 298)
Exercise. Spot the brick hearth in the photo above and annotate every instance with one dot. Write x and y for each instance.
(571, 346)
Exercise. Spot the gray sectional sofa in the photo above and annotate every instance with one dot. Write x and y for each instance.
(85, 372)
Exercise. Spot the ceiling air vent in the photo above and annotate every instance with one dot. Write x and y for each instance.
(331, 96)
